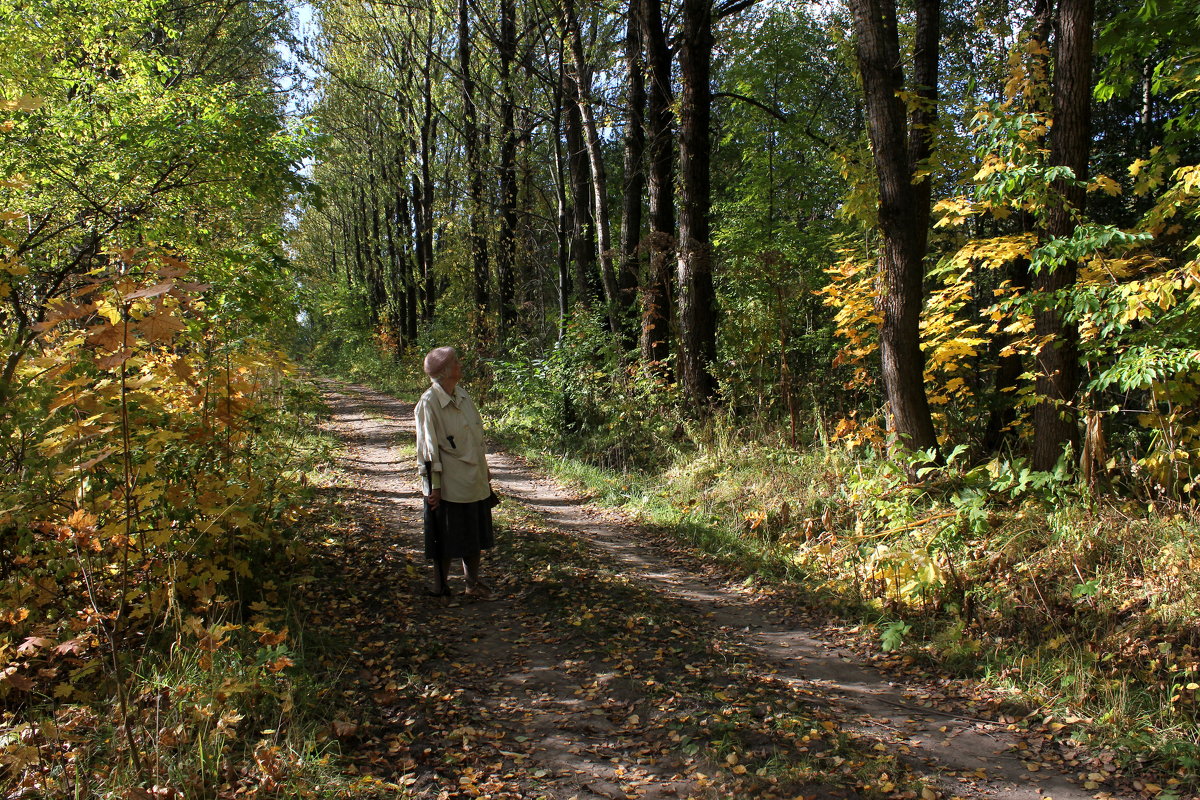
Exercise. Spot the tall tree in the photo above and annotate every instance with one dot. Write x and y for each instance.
(1011, 365)
(901, 140)
(506, 46)
(583, 218)
(635, 176)
(656, 295)
(697, 300)
(581, 79)
(475, 169)
(1054, 417)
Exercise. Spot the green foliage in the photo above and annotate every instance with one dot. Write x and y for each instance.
(893, 635)
(778, 189)
(152, 473)
(582, 396)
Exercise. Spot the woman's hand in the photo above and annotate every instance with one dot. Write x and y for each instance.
(434, 498)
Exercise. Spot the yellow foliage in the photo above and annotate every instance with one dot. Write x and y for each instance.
(25, 102)
(1105, 184)
(906, 574)
(147, 443)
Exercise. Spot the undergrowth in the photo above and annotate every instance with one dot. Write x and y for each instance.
(203, 688)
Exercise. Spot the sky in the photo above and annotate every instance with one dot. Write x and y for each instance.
(298, 87)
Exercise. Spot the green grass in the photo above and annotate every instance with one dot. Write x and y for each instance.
(361, 362)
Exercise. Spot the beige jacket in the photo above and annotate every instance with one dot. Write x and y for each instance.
(450, 439)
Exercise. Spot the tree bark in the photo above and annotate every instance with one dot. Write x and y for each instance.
(583, 231)
(1009, 368)
(1055, 417)
(506, 246)
(565, 213)
(903, 201)
(395, 209)
(582, 80)
(656, 295)
(629, 274)
(475, 167)
(423, 193)
(697, 299)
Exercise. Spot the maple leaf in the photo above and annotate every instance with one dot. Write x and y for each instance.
(271, 639)
(16, 680)
(12, 617)
(91, 462)
(82, 520)
(116, 359)
(71, 647)
(151, 291)
(279, 664)
(33, 644)
(108, 337)
(160, 327)
(343, 729)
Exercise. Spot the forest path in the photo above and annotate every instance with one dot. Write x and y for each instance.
(613, 665)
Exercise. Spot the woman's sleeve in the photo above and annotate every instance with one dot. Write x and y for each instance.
(427, 442)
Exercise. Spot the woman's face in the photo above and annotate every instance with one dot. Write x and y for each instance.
(453, 371)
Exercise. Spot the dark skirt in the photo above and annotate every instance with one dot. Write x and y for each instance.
(458, 530)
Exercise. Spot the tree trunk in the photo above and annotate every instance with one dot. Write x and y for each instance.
(506, 246)
(563, 228)
(582, 80)
(1054, 417)
(656, 296)
(903, 203)
(412, 265)
(423, 194)
(395, 208)
(697, 300)
(475, 168)
(1009, 368)
(628, 277)
(1008, 373)
(381, 271)
(583, 231)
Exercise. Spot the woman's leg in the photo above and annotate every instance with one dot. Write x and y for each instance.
(441, 569)
(471, 569)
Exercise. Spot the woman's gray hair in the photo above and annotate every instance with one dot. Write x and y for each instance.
(437, 360)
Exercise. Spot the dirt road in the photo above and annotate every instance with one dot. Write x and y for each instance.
(613, 665)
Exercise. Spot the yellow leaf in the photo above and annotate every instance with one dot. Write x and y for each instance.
(109, 311)
(25, 102)
(1105, 184)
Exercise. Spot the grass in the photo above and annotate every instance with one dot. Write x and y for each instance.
(360, 361)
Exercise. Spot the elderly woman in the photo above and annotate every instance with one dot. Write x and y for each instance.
(454, 472)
